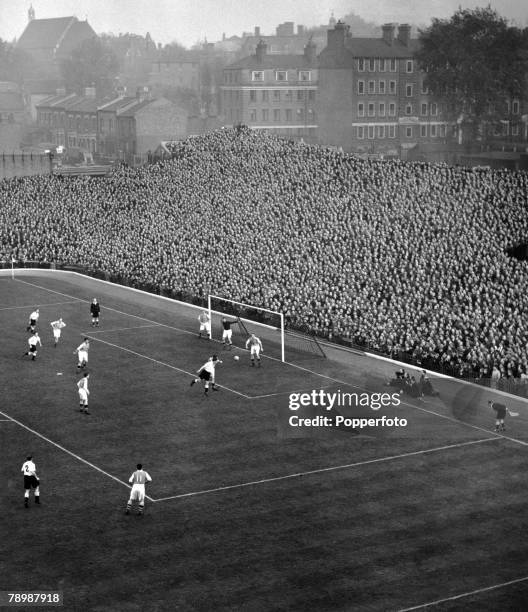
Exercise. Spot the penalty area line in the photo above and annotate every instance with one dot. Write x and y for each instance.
(467, 594)
(327, 469)
(68, 452)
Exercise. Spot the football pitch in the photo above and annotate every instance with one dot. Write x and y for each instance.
(240, 516)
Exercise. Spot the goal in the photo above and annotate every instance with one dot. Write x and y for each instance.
(268, 325)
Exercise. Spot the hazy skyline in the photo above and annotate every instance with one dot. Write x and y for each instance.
(190, 21)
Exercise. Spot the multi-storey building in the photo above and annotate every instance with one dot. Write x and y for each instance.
(273, 92)
(372, 96)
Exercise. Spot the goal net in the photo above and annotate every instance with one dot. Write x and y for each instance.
(278, 341)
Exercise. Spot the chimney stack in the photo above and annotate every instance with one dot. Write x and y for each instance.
(337, 36)
(89, 92)
(260, 52)
(310, 51)
(300, 30)
(257, 31)
(404, 34)
(388, 33)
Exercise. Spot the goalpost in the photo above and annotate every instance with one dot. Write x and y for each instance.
(269, 322)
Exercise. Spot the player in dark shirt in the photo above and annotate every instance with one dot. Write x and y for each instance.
(95, 310)
(227, 333)
(500, 410)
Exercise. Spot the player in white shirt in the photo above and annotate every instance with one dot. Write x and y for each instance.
(82, 387)
(31, 480)
(205, 324)
(82, 353)
(138, 480)
(255, 346)
(33, 341)
(207, 374)
(57, 328)
(33, 320)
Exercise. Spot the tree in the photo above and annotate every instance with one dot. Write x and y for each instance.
(475, 65)
(92, 63)
(14, 63)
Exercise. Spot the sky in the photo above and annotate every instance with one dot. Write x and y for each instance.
(190, 21)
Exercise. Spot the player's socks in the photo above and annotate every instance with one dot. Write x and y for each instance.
(26, 502)
(252, 363)
(128, 508)
(37, 499)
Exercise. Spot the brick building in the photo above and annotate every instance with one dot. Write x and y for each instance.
(372, 97)
(273, 92)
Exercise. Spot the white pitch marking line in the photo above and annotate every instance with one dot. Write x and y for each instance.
(167, 365)
(327, 469)
(468, 594)
(105, 331)
(294, 365)
(40, 305)
(36, 433)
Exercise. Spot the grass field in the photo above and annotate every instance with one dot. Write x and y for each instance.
(430, 516)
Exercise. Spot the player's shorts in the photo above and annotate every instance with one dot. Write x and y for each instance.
(30, 482)
(32, 348)
(255, 351)
(500, 409)
(32, 322)
(137, 493)
(205, 375)
(56, 333)
(83, 356)
(83, 396)
(227, 334)
(205, 327)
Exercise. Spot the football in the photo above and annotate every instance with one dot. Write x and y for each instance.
(236, 357)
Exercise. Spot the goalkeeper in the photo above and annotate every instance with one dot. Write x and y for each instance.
(227, 334)
(500, 411)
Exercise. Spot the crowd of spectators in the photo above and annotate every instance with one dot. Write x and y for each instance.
(406, 258)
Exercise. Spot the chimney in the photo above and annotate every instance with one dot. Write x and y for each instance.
(257, 31)
(337, 36)
(260, 52)
(404, 34)
(89, 92)
(388, 33)
(60, 91)
(142, 93)
(310, 51)
(300, 30)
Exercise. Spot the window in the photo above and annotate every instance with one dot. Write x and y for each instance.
(265, 114)
(382, 65)
(434, 109)
(408, 132)
(252, 95)
(381, 109)
(381, 87)
(372, 64)
(392, 131)
(409, 90)
(305, 75)
(515, 107)
(442, 131)
(300, 114)
(281, 75)
(265, 95)
(423, 109)
(276, 95)
(300, 94)
(381, 131)
(392, 87)
(276, 114)
(423, 130)
(409, 66)
(424, 89)
(372, 87)
(371, 132)
(257, 75)
(433, 130)
(392, 109)
(361, 109)
(311, 95)
(361, 132)
(289, 94)
(288, 114)
(408, 109)
(393, 64)
(252, 114)
(361, 64)
(371, 111)
(515, 129)
(361, 88)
